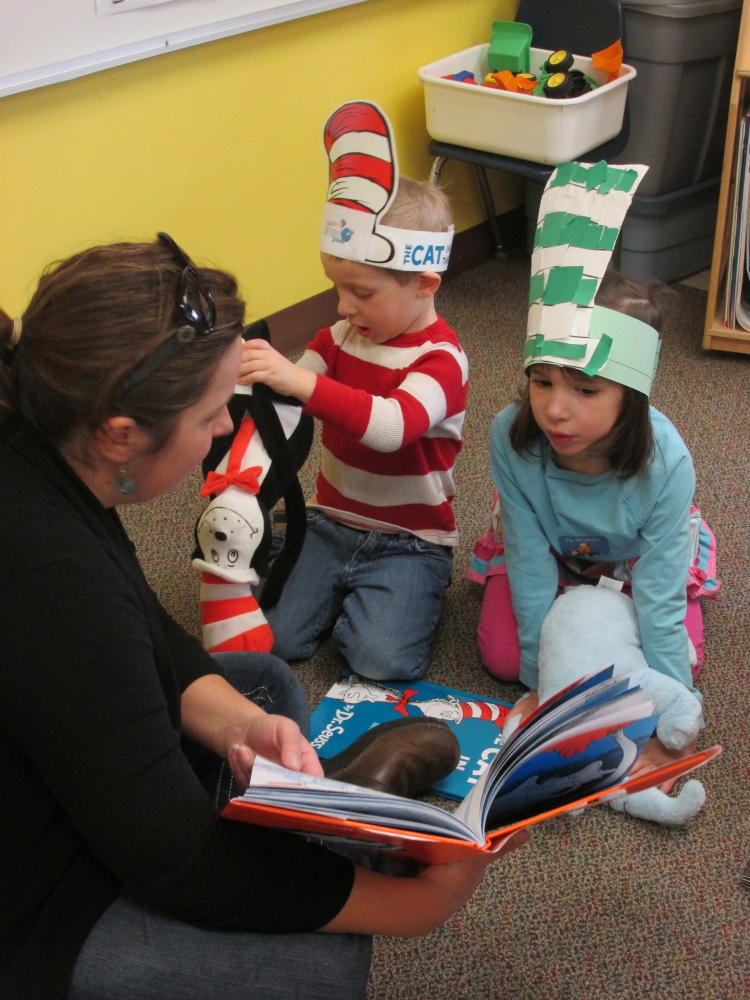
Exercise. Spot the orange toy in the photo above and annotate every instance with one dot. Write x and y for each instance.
(504, 80)
(526, 83)
(609, 60)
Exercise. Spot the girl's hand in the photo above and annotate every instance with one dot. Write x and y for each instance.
(274, 737)
(520, 711)
(262, 363)
(655, 755)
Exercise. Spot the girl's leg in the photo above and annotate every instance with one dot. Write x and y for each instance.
(497, 631)
(694, 626)
(134, 951)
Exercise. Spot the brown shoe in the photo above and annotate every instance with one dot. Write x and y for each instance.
(404, 757)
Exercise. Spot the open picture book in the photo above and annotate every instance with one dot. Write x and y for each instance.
(573, 751)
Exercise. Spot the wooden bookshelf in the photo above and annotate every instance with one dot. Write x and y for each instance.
(717, 335)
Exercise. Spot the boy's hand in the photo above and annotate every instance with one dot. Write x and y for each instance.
(262, 363)
(655, 755)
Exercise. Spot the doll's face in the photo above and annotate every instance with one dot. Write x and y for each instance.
(227, 539)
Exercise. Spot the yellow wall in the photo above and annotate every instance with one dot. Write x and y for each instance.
(220, 145)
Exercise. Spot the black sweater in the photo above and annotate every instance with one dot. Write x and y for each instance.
(95, 790)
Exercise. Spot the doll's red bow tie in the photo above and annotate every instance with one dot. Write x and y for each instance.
(246, 479)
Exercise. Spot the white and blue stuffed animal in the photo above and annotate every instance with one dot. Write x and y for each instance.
(587, 628)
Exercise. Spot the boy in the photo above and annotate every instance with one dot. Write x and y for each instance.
(389, 385)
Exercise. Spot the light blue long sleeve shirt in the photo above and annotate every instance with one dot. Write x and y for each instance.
(545, 508)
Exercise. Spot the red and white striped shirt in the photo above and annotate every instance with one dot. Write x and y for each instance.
(392, 416)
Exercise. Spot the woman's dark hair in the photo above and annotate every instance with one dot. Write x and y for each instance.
(91, 322)
(632, 436)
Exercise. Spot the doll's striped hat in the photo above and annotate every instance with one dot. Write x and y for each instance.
(582, 209)
(362, 184)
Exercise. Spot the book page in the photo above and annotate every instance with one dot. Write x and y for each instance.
(274, 785)
(568, 769)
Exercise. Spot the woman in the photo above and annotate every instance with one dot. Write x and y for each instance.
(118, 876)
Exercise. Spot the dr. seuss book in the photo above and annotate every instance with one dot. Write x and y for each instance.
(575, 750)
(355, 704)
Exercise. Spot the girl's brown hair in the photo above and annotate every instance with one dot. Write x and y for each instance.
(632, 444)
(91, 322)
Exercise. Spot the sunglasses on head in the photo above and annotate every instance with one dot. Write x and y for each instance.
(196, 311)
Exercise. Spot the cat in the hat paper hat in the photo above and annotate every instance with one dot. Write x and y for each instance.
(362, 185)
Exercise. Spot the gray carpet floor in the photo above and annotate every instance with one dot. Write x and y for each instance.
(602, 905)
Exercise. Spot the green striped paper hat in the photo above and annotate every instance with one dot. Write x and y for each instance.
(582, 209)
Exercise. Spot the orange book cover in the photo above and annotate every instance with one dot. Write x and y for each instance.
(371, 836)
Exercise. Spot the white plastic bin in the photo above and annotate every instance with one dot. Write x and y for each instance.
(530, 128)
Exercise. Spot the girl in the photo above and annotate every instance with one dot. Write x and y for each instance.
(592, 482)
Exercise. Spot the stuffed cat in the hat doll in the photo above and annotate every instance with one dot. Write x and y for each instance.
(247, 473)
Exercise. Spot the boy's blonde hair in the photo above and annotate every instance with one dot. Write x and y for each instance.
(419, 205)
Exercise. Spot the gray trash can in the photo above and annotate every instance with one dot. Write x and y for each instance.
(669, 236)
(684, 52)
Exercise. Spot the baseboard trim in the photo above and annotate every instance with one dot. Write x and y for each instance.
(293, 327)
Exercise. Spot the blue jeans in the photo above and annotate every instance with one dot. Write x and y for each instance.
(137, 953)
(380, 593)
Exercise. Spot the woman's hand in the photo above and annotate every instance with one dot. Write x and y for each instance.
(262, 363)
(655, 755)
(274, 737)
(408, 907)
(221, 719)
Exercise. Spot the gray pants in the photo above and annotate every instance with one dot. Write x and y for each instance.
(136, 953)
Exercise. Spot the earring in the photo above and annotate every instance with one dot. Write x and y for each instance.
(125, 484)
